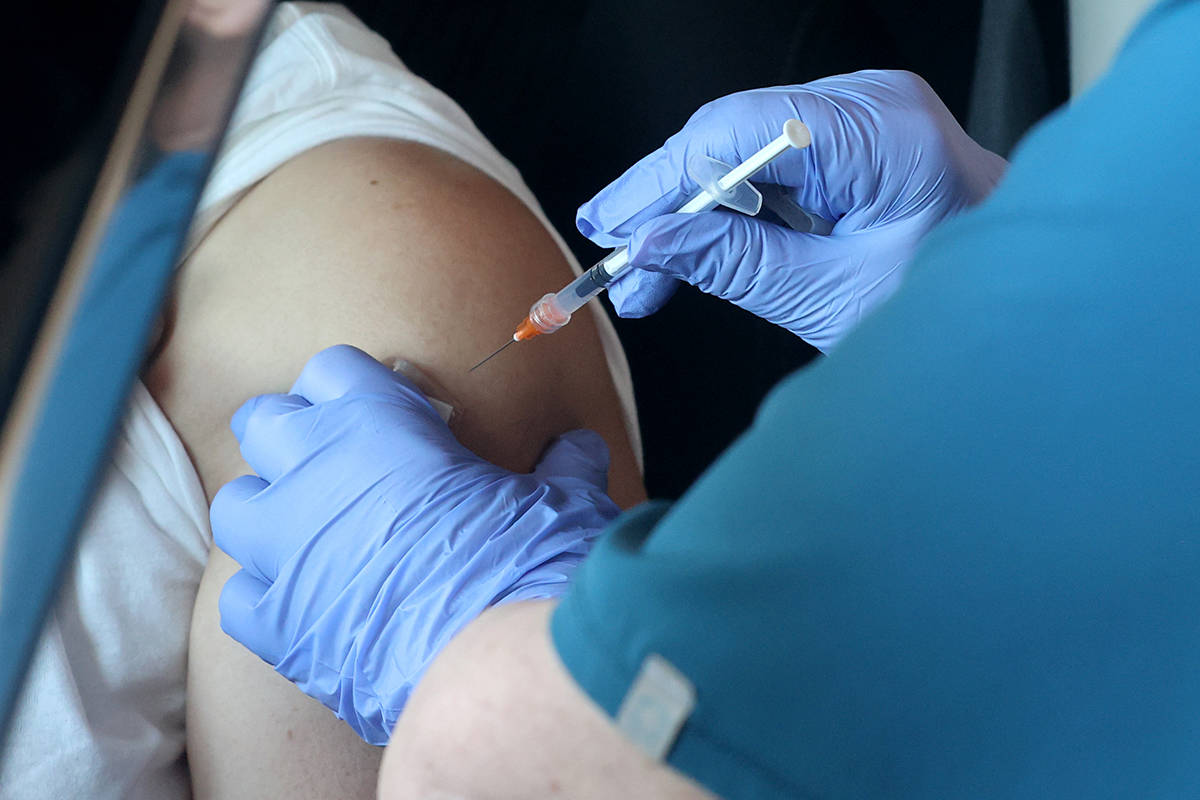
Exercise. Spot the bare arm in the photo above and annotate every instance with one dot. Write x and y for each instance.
(498, 716)
(400, 250)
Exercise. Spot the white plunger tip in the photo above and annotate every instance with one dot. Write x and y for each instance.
(797, 134)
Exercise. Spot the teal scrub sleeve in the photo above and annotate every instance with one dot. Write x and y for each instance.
(961, 556)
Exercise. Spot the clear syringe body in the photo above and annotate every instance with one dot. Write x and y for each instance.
(554, 310)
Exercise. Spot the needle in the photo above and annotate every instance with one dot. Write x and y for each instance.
(493, 355)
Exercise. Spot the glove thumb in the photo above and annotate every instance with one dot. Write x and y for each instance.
(580, 454)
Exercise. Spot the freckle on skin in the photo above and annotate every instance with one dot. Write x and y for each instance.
(374, 183)
(289, 733)
(555, 788)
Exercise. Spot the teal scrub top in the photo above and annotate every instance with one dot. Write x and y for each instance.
(960, 557)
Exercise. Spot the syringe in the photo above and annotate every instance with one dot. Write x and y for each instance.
(554, 310)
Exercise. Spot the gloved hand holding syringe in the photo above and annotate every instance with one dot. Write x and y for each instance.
(720, 186)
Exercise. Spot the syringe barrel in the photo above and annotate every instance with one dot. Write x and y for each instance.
(545, 316)
(613, 264)
(554, 310)
(575, 294)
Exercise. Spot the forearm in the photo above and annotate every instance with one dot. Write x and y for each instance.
(498, 716)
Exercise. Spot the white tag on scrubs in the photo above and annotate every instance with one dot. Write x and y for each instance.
(656, 706)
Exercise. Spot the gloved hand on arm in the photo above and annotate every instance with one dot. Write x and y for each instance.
(370, 536)
(887, 163)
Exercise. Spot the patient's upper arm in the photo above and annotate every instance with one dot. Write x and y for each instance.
(400, 250)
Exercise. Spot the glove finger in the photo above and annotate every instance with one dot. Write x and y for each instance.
(552, 587)
(237, 422)
(336, 371)
(655, 185)
(718, 253)
(273, 433)
(239, 529)
(240, 618)
(800, 281)
(581, 454)
(639, 293)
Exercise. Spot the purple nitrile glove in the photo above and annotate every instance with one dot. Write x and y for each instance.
(887, 163)
(370, 536)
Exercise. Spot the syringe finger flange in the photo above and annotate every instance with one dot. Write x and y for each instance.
(707, 172)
